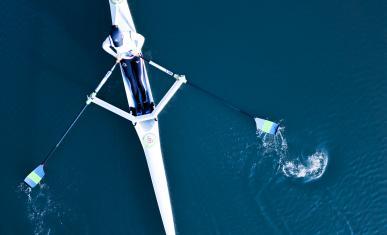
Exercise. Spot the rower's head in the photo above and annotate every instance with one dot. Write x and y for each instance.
(116, 36)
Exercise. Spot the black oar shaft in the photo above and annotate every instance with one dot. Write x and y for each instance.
(103, 81)
(52, 151)
(220, 99)
(105, 78)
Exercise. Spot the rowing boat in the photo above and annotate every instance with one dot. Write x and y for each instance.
(143, 115)
(145, 123)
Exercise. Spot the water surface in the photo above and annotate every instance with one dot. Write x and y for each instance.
(317, 67)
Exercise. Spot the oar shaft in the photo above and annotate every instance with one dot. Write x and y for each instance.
(100, 85)
(104, 79)
(222, 100)
(161, 68)
(52, 151)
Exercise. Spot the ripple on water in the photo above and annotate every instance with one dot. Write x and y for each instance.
(41, 209)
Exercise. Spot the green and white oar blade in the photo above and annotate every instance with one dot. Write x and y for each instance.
(35, 176)
(266, 126)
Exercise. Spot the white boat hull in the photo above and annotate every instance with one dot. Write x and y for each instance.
(148, 132)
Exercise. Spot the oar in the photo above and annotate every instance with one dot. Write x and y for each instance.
(38, 173)
(262, 124)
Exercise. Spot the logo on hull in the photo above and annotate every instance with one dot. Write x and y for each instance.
(115, 2)
(149, 140)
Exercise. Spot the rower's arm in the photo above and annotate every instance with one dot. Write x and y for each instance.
(107, 46)
(138, 40)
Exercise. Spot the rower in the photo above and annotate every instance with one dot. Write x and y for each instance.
(126, 47)
(123, 44)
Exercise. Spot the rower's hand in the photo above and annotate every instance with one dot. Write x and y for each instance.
(119, 58)
(135, 53)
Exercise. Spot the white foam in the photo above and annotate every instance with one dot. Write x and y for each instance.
(308, 169)
(276, 144)
(312, 168)
(40, 207)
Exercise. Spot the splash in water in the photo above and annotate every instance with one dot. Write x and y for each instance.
(269, 147)
(276, 144)
(40, 207)
(310, 168)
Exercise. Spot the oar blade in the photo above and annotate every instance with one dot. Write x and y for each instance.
(266, 126)
(35, 176)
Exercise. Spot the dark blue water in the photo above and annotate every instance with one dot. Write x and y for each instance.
(317, 67)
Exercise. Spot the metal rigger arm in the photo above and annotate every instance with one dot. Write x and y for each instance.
(180, 80)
